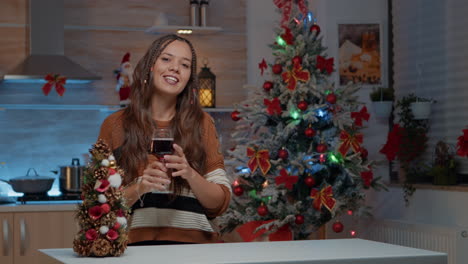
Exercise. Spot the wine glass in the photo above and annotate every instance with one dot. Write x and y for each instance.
(161, 142)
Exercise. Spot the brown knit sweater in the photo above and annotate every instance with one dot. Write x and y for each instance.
(183, 219)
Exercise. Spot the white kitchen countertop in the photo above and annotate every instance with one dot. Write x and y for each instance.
(40, 206)
(332, 251)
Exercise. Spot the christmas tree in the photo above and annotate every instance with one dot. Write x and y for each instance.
(299, 160)
(103, 214)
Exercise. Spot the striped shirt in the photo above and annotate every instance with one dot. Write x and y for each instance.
(160, 216)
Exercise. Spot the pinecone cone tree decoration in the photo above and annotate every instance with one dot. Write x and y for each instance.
(103, 214)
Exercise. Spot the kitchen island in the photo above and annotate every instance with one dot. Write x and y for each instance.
(332, 251)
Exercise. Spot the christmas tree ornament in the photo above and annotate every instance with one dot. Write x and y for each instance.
(273, 106)
(310, 132)
(309, 181)
(315, 29)
(235, 115)
(324, 197)
(277, 69)
(258, 159)
(364, 153)
(238, 190)
(287, 36)
(286, 179)
(297, 73)
(299, 219)
(297, 60)
(367, 177)
(462, 144)
(267, 86)
(348, 141)
(359, 116)
(331, 98)
(302, 105)
(337, 227)
(283, 154)
(321, 148)
(262, 66)
(262, 210)
(325, 64)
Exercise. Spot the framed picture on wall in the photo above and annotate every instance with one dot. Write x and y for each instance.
(360, 54)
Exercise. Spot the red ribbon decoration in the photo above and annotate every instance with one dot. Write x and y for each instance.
(350, 141)
(462, 144)
(359, 116)
(246, 231)
(325, 64)
(391, 148)
(260, 159)
(262, 66)
(288, 36)
(273, 106)
(54, 80)
(288, 181)
(323, 197)
(286, 5)
(296, 74)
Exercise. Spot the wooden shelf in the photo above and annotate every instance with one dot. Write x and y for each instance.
(174, 29)
(102, 108)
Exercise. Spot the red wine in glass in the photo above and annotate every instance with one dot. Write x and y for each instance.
(161, 143)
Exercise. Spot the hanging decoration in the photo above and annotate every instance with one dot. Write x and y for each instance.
(260, 159)
(359, 116)
(324, 197)
(348, 141)
(262, 66)
(462, 144)
(295, 74)
(287, 36)
(391, 148)
(54, 80)
(273, 106)
(286, 6)
(325, 64)
(286, 179)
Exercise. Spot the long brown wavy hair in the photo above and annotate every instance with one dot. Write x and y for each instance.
(138, 121)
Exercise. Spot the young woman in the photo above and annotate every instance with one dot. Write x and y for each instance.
(173, 199)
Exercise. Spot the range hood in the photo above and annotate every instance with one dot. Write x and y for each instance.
(46, 47)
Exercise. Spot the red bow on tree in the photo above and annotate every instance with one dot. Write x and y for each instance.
(286, 5)
(247, 231)
(350, 141)
(262, 66)
(323, 197)
(295, 74)
(260, 159)
(287, 36)
(367, 177)
(325, 64)
(462, 144)
(273, 106)
(288, 181)
(391, 148)
(54, 80)
(359, 116)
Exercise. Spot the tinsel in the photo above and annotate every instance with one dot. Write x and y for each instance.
(93, 215)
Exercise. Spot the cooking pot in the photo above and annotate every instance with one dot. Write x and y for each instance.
(71, 177)
(31, 184)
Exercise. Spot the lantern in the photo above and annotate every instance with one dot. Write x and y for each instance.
(207, 91)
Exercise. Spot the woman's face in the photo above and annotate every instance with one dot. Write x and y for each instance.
(172, 69)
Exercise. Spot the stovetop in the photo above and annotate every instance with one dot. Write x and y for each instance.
(45, 197)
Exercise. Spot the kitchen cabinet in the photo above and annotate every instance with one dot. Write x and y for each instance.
(22, 233)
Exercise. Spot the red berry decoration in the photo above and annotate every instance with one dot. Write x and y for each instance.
(331, 98)
(238, 190)
(364, 153)
(309, 132)
(277, 69)
(235, 115)
(309, 181)
(299, 219)
(267, 86)
(321, 148)
(315, 28)
(283, 154)
(338, 227)
(302, 105)
(262, 210)
(297, 60)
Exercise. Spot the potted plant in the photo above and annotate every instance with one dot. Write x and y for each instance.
(382, 101)
(443, 169)
(421, 108)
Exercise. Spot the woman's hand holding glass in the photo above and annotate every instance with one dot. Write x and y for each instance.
(179, 164)
(155, 178)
